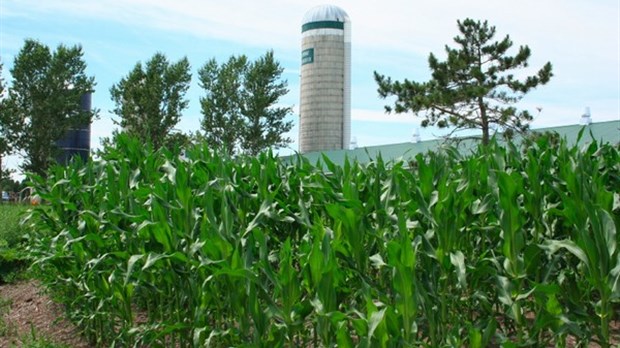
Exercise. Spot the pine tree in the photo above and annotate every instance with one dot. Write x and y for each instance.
(473, 88)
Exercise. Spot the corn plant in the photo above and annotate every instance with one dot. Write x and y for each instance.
(503, 245)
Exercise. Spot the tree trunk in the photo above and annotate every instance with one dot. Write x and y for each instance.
(485, 132)
(1, 178)
(484, 122)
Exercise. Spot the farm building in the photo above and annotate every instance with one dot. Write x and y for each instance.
(604, 131)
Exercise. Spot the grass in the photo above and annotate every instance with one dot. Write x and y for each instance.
(13, 263)
(13, 258)
(5, 328)
(11, 232)
(33, 340)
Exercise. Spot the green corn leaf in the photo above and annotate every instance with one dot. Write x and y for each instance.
(265, 211)
(375, 319)
(180, 257)
(315, 262)
(162, 235)
(489, 332)
(458, 261)
(505, 291)
(580, 134)
(360, 326)
(552, 246)
(151, 259)
(475, 338)
(318, 306)
(343, 337)
(614, 279)
(169, 170)
(130, 266)
(553, 306)
(609, 231)
(135, 178)
(525, 295)
(482, 206)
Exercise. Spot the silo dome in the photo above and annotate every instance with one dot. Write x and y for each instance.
(325, 13)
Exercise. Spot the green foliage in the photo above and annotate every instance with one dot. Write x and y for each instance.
(150, 99)
(10, 217)
(505, 246)
(44, 101)
(30, 340)
(221, 107)
(1, 82)
(10, 185)
(5, 134)
(5, 145)
(33, 341)
(474, 88)
(239, 107)
(13, 259)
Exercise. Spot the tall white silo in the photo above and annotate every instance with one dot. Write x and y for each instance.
(325, 105)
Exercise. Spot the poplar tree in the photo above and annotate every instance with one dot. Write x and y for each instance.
(44, 101)
(240, 109)
(151, 98)
(474, 88)
(5, 125)
(221, 105)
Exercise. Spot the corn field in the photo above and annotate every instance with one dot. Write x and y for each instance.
(505, 245)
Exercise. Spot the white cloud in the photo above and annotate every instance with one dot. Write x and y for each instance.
(390, 24)
(581, 39)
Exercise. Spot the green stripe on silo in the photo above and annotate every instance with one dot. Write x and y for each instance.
(322, 25)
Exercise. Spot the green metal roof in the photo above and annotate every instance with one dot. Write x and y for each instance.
(604, 131)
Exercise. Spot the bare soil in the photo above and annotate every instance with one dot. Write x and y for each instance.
(26, 309)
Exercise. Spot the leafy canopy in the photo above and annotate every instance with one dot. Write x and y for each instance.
(44, 101)
(150, 99)
(5, 144)
(474, 88)
(239, 107)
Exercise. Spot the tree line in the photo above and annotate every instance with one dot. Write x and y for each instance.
(42, 102)
(475, 87)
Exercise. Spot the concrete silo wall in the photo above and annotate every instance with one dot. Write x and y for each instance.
(346, 134)
(325, 105)
(322, 105)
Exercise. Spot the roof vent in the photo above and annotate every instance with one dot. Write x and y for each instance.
(415, 138)
(586, 118)
(353, 143)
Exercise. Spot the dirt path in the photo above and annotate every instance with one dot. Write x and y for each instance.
(24, 307)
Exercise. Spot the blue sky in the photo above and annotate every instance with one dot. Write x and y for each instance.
(580, 38)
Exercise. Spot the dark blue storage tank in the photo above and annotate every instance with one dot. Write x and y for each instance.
(76, 141)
